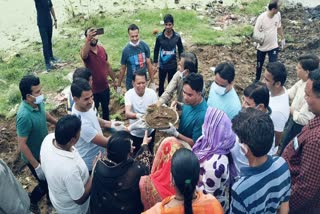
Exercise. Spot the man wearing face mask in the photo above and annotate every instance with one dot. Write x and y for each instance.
(135, 56)
(188, 64)
(31, 125)
(95, 58)
(255, 96)
(266, 182)
(222, 94)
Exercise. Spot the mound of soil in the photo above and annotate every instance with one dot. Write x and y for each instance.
(159, 117)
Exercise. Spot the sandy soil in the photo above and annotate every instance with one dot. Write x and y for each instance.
(296, 21)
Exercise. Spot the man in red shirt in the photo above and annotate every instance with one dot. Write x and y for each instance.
(302, 155)
(95, 58)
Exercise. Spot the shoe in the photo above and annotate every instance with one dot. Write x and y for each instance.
(49, 67)
(34, 208)
(55, 60)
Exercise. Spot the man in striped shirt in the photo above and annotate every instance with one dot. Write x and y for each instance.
(264, 186)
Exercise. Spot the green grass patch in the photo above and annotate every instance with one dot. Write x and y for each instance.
(254, 7)
(67, 46)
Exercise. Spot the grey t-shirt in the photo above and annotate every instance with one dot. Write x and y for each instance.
(13, 198)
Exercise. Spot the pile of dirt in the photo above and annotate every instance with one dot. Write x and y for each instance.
(159, 117)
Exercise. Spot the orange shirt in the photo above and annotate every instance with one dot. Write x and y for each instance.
(203, 204)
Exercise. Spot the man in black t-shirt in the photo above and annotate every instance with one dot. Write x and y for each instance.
(44, 11)
(166, 45)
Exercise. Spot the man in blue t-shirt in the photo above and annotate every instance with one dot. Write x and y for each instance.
(222, 94)
(263, 186)
(135, 57)
(193, 111)
(44, 11)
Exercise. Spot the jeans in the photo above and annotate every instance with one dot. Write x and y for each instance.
(103, 98)
(261, 55)
(291, 130)
(40, 190)
(162, 78)
(46, 36)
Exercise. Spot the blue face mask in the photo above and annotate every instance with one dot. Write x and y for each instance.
(219, 89)
(39, 99)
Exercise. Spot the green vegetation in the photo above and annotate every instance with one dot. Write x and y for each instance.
(194, 30)
(252, 8)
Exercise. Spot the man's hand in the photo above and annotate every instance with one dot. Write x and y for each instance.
(146, 139)
(117, 125)
(40, 173)
(171, 131)
(155, 68)
(90, 35)
(139, 124)
(139, 116)
(55, 24)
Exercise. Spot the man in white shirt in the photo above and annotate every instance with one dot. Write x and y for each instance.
(275, 76)
(137, 100)
(67, 175)
(269, 25)
(91, 140)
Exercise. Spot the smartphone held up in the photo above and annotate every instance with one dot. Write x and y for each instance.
(99, 31)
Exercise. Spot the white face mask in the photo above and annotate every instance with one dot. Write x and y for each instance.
(244, 148)
(39, 99)
(219, 89)
(134, 44)
(181, 74)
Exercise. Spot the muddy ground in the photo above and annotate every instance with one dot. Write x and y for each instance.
(299, 24)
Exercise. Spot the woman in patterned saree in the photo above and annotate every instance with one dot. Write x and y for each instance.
(157, 186)
(217, 169)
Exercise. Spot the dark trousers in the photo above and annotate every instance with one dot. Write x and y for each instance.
(162, 78)
(40, 190)
(137, 141)
(261, 56)
(291, 130)
(103, 98)
(46, 36)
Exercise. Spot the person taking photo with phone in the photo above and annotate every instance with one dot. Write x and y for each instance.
(95, 58)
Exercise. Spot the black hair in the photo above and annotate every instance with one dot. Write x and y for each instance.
(119, 146)
(189, 56)
(278, 72)
(141, 72)
(226, 71)
(190, 66)
(195, 81)
(168, 18)
(259, 92)
(84, 73)
(255, 129)
(78, 86)
(86, 31)
(273, 5)
(133, 27)
(67, 127)
(309, 62)
(26, 84)
(185, 170)
(314, 76)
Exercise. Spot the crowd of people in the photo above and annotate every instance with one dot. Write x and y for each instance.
(257, 154)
